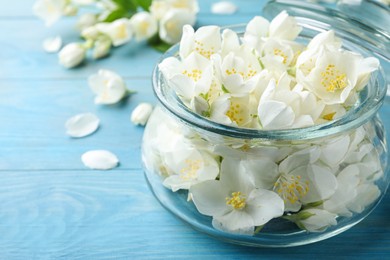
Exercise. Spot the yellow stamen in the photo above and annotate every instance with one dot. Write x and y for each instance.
(333, 79)
(291, 188)
(237, 200)
(190, 171)
(329, 116)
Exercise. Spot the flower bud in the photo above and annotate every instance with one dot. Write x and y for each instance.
(85, 21)
(172, 23)
(70, 10)
(119, 31)
(71, 55)
(144, 25)
(101, 48)
(141, 114)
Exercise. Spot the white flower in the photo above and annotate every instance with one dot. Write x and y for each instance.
(334, 150)
(299, 179)
(282, 108)
(52, 45)
(144, 25)
(189, 77)
(159, 8)
(100, 160)
(141, 113)
(230, 110)
(101, 47)
(171, 24)
(86, 20)
(223, 7)
(119, 31)
(72, 55)
(82, 125)
(234, 202)
(190, 5)
(206, 41)
(256, 30)
(189, 166)
(230, 42)
(49, 10)
(279, 54)
(238, 71)
(314, 220)
(108, 86)
(354, 193)
(92, 33)
(331, 74)
(284, 27)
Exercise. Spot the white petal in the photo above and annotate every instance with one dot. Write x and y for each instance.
(335, 151)
(52, 45)
(82, 125)
(300, 158)
(264, 205)
(241, 231)
(223, 7)
(275, 115)
(100, 160)
(320, 220)
(210, 198)
(235, 221)
(322, 184)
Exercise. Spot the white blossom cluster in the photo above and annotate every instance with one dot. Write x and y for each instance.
(243, 184)
(163, 19)
(266, 80)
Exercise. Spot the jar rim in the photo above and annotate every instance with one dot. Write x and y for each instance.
(355, 117)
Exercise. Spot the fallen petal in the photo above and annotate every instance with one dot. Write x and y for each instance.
(223, 7)
(82, 125)
(100, 160)
(52, 44)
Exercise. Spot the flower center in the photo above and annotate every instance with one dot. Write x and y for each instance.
(279, 52)
(190, 171)
(291, 188)
(235, 113)
(329, 116)
(237, 200)
(194, 74)
(122, 32)
(199, 48)
(144, 26)
(333, 79)
(245, 75)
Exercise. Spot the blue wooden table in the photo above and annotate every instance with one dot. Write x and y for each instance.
(52, 207)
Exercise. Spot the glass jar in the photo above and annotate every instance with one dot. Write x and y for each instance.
(345, 161)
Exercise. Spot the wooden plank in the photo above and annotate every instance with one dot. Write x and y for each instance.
(33, 114)
(113, 215)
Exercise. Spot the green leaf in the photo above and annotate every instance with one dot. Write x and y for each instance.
(145, 4)
(156, 43)
(117, 14)
(128, 5)
(258, 229)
